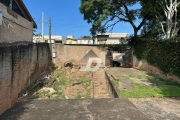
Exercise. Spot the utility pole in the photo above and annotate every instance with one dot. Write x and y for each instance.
(50, 30)
(42, 26)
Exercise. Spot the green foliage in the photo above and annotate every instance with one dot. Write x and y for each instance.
(105, 14)
(78, 96)
(143, 91)
(117, 84)
(164, 54)
(85, 36)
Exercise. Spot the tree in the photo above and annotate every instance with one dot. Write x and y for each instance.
(164, 16)
(86, 36)
(170, 12)
(105, 14)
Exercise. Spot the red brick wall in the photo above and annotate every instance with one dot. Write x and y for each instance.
(20, 65)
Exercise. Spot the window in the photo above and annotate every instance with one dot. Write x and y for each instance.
(15, 8)
(5, 2)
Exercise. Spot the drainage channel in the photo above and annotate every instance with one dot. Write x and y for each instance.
(103, 85)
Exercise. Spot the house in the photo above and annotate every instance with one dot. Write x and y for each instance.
(57, 39)
(85, 40)
(112, 38)
(16, 23)
(71, 40)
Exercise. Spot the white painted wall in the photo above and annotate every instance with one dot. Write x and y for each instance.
(85, 41)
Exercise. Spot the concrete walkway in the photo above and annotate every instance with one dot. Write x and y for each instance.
(87, 109)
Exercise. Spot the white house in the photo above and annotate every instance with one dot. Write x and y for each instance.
(111, 38)
(85, 41)
(54, 39)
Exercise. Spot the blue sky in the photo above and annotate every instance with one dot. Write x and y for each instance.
(65, 16)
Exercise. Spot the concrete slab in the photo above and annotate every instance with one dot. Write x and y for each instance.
(159, 108)
(84, 109)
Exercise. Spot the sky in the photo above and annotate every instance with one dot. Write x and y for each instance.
(65, 17)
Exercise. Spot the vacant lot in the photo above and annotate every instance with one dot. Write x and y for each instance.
(69, 84)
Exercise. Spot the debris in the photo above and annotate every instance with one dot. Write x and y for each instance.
(66, 97)
(114, 77)
(60, 91)
(50, 83)
(68, 65)
(77, 83)
(26, 94)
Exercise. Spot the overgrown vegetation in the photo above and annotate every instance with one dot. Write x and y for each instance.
(68, 85)
(162, 54)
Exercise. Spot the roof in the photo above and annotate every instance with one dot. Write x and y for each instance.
(71, 39)
(25, 11)
(113, 35)
(85, 39)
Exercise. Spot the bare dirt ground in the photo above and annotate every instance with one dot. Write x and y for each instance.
(69, 84)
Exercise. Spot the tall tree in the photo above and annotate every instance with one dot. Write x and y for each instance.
(170, 12)
(105, 14)
(164, 15)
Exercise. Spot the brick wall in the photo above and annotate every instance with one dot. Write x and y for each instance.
(20, 65)
(66, 53)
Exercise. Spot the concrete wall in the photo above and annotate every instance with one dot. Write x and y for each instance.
(15, 29)
(144, 65)
(66, 53)
(20, 65)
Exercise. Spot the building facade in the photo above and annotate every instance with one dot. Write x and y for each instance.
(85, 41)
(57, 39)
(70, 40)
(111, 38)
(16, 23)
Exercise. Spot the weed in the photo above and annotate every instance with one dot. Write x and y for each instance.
(139, 76)
(131, 76)
(57, 74)
(117, 84)
(78, 96)
(149, 77)
(43, 93)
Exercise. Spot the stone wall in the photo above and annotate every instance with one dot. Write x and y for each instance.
(66, 53)
(14, 27)
(20, 65)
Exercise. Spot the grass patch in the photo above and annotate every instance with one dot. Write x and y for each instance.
(78, 96)
(117, 84)
(138, 76)
(143, 91)
(131, 76)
